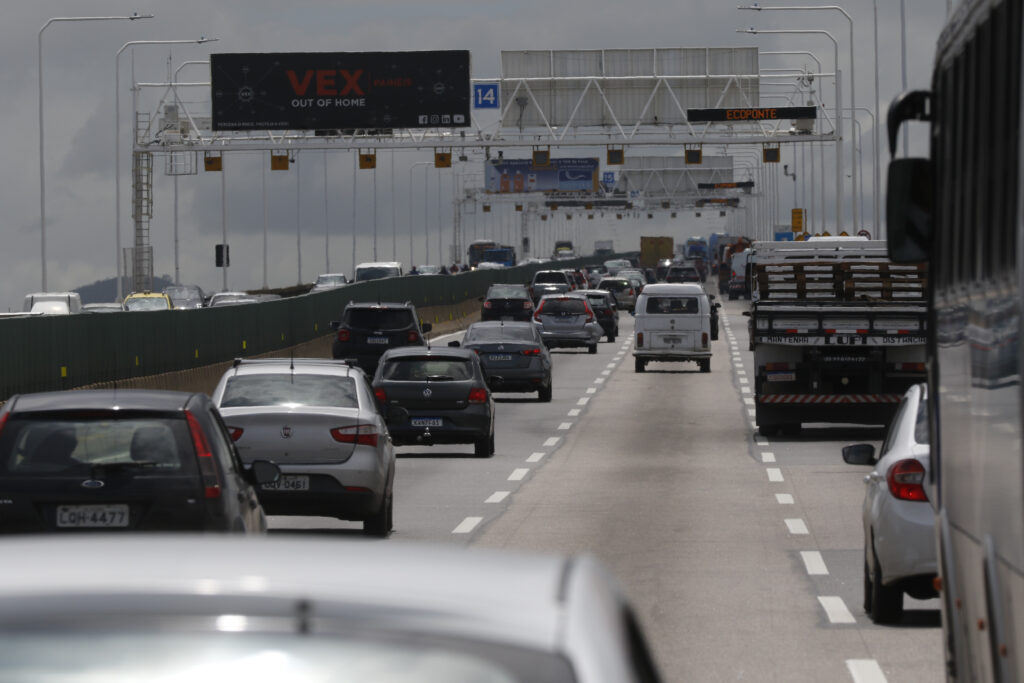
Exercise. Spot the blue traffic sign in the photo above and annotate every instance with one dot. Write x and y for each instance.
(608, 177)
(485, 96)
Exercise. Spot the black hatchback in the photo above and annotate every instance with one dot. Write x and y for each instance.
(507, 302)
(111, 460)
(367, 330)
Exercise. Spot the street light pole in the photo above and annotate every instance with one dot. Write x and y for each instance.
(42, 168)
(412, 258)
(177, 271)
(117, 143)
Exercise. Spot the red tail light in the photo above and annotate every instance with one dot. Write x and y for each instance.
(530, 352)
(207, 466)
(639, 339)
(235, 432)
(363, 435)
(413, 336)
(344, 335)
(906, 479)
(3, 421)
(478, 395)
(704, 339)
(382, 396)
(488, 304)
(528, 305)
(631, 291)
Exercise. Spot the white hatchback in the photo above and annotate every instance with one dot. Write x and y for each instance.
(673, 323)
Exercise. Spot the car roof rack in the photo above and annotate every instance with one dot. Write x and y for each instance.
(291, 361)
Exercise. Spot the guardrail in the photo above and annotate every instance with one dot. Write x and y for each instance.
(48, 353)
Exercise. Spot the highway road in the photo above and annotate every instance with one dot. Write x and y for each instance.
(743, 555)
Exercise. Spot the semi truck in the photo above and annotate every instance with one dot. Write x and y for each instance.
(604, 247)
(654, 249)
(838, 332)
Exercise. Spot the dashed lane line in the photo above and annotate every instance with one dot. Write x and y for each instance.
(497, 497)
(591, 390)
(774, 474)
(784, 498)
(519, 473)
(535, 457)
(575, 412)
(467, 525)
(552, 441)
(836, 609)
(767, 456)
(813, 562)
(796, 526)
(865, 671)
(565, 425)
(583, 401)
(611, 366)
(599, 380)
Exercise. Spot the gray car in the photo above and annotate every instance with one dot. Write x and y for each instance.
(318, 420)
(566, 320)
(513, 356)
(624, 290)
(179, 608)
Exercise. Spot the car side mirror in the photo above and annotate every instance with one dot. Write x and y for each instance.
(454, 344)
(335, 324)
(717, 306)
(746, 313)
(263, 472)
(859, 454)
(427, 327)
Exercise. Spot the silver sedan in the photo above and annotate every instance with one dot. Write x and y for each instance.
(567, 320)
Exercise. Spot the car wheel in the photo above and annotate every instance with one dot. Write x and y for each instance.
(381, 522)
(705, 365)
(484, 446)
(768, 430)
(611, 338)
(886, 601)
(867, 589)
(592, 348)
(638, 365)
(544, 393)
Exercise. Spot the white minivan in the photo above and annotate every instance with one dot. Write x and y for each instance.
(378, 270)
(673, 323)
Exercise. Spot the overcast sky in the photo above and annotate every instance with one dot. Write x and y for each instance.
(78, 68)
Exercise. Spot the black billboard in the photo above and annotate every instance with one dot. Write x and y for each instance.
(335, 90)
(750, 114)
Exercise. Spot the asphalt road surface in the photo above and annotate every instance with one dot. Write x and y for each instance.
(743, 555)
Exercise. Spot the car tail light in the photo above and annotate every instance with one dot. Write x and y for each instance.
(344, 335)
(488, 304)
(590, 312)
(528, 305)
(235, 432)
(639, 339)
(3, 420)
(905, 479)
(631, 291)
(478, 395)
(413, 336)
(207, 467)
(704, 339)
(382, 396)
(363, 435)
(530, 352)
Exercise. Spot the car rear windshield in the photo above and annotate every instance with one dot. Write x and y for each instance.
(69, 445)
(149, 303)
(507, 292)
(598, 301)
(615, 285)
(563, 306)
(434, 369)
(376, 273)
(551, 276)
(286, 389)
(522, 332)
(378, 318)
(672, 304)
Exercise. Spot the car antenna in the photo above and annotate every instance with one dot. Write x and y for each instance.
(291, 364)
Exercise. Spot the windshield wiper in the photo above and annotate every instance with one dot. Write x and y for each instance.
(440, 378)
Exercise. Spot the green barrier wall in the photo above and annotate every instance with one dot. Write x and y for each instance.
(62, 352)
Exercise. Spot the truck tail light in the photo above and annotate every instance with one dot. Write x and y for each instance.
(704, 339)
(207, 466)
(906, 479)
(911, 367)
(344, 335)
(777, 367)
(639, 339)
(363, 435)
(478, 395)
(382, 396)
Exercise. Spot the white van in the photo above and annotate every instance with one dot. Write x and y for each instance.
(673, 323)
(53, 303)
(378, 270)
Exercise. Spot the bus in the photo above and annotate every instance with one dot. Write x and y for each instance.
(476, 251)
(960, 209)
(504, 254)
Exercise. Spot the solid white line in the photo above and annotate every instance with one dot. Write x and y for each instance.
(767, 456)
(583, 401)
(591, 390)
(565, 425)
(535, 457)
(784, 498)
(575, 412)
(610, 365)
(518, 473)
(813, 562)
(836, 609)
(553, 441)
(497, 497)
(797, 527)
(865, 671)
(467, 525)
(774, 474)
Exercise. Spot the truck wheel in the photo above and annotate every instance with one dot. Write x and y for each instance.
(638, 365)
(705, 365)
(768, 430)
(791, 429)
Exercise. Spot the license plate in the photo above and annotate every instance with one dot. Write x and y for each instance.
(780, 376)
(672, 340)
(427, 422)
(377, 340)
(92, 516)
(500, 356)
(289, 482)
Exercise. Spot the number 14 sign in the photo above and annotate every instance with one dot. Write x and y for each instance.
(485, 96)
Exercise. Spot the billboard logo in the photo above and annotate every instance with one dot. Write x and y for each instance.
(446, 118)
(435, 119)
(424, 119)
(458, 118)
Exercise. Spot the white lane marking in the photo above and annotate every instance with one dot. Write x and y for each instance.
(591, 390)
(583, 401)
(784, 498)
(519, 473)
(865, 671)
(813, 562)
(767, 456)
(535, 457)
(744, 380)
(741, 372)
(610, 365)
(747, 400)
(606, 372)
(774, 474)
(467, 525)
(565, 425)
(744, 390)
(753, 425)
(751, 412)
(599, 380)
(836, 609)
(497, 497)
(553, 441)
(797, 527)
(761, 442)
(575, 412)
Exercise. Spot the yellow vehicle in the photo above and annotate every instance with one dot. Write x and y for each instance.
(147, 301)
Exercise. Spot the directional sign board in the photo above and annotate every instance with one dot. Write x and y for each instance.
(608, 177)
(485, 96)
(748, 114)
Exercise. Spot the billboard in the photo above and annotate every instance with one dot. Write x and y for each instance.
(561, 175)
(340, 90)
